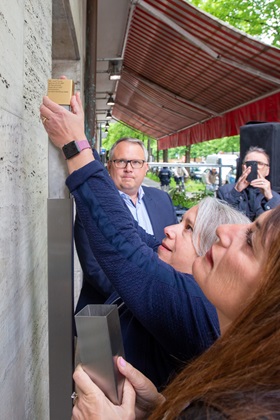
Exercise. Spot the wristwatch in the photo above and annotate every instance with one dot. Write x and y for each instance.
(74, 147)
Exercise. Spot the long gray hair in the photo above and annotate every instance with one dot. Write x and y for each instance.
(211, 214)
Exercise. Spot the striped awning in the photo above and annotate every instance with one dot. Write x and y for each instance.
(185, 71)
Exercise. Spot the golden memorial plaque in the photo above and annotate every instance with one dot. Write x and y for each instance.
(60, 91)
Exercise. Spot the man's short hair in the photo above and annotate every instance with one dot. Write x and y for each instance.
(129, 140)
(258, 150)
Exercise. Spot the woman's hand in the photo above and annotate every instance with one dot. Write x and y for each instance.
(92, 404)
(62, 125)
(147, 396)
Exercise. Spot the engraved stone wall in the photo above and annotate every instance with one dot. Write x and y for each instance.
(25, 54)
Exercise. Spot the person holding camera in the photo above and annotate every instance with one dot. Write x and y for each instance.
(252, 193)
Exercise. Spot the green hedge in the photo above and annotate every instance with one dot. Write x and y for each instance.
(181, 199)
(194, 192)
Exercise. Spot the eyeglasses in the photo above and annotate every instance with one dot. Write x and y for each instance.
(122, 163)
(261, 164)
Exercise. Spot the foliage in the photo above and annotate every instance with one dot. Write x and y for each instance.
(194, 186)
(258, 18)
(118, 130)
(152, 176)
(205, 148)
(183, 200)
(194, 192)
(176, 152)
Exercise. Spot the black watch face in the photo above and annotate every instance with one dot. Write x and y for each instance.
(70, 150)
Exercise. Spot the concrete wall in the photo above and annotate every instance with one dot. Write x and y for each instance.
(25, 56)
(25, 66)
(72, 69)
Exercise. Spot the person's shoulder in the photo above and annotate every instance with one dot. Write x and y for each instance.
(227, 187)
(156, 194)
(275, 193)
(225, 190)
(156, 191)
(153, 190)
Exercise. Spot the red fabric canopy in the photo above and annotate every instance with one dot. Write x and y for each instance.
(188, 77)
(266, 110)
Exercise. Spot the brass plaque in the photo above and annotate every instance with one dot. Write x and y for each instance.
(60, 90)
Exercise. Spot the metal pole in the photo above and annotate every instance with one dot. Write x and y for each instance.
(90, 71)
(60, 304)
(220, 171)
(60, 288)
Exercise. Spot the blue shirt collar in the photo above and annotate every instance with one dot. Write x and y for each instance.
(140, 194)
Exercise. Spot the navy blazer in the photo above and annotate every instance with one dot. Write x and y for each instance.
(96, 288)
(160, 210)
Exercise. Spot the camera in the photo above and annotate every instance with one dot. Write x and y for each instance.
(254, 170)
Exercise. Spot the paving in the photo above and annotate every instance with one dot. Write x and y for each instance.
(150, 183)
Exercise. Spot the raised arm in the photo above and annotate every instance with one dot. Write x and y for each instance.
(158, 296)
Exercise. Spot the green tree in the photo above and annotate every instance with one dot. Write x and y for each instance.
(205, 148)
(118, 130)
(255, 17)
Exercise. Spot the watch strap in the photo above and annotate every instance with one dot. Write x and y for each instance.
(74, 147)
(82, 144)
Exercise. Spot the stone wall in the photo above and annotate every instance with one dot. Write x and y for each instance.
(26, 50)
(25, 54)
(72, 69)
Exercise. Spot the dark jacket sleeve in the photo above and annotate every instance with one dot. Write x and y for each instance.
(93, 274)
(170, 305)
(229, 194)
(96, 285)
(273, 202)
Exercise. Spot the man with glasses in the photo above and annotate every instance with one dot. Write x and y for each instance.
(150, 207)
(251, 196)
